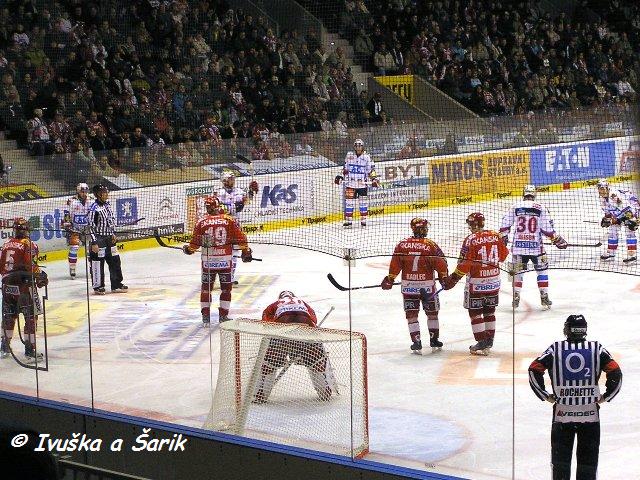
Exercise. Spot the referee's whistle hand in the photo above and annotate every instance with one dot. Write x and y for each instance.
(94, 248)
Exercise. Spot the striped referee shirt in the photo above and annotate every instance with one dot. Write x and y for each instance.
(101, 220)
(574, 369)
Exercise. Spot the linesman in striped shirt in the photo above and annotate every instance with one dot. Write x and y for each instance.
(102, 228)
(574, 366)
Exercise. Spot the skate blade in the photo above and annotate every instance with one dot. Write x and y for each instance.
(416, 352)
(436, 349)
(628, 261)
(481, 353)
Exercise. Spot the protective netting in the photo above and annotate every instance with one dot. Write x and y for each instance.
(292, 384)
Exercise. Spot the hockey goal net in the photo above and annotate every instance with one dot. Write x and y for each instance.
(292, 384)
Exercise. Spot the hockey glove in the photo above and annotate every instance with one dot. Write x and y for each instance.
(338, 179)
(552, 398)
(505, 239)
(246, 255)
(253, 188)
(375, 183)
(387, 282)
(632, 224)
(605, 222)
(559, 242)
(239, 206)
(187, 249)
(450, 281)
(42, 280)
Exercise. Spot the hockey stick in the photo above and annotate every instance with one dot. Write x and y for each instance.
(291, 361)
(592, 221)
(583, 245)
(344, 289)
(162, 243)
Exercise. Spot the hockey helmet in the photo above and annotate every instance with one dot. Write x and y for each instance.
(615, 196)
(603, 187)
(228, 179)
(213, 205)
(97, 189)
(419, 227)
(575, 327)
(358, 143)
(529, 191)
(475, 221)
(21, 228)
(286, 293)
(82, 187)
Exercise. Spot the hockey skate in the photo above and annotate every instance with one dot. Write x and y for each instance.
(605, 257)
(363, 224)
(545, 301)
(72, 273)
(481, 348)
(224, 318)
(99, 291)
(347, 224)
(435, 344)
(120, 289)
(206, 319)
(30, 353)
(629, 259)
(416, 347)
(5, 350)
(516, 300)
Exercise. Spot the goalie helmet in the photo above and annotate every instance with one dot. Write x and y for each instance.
(21, 228)
(575, 327)
(529, 191)
(419, 227)
(228, 179)
(213, 205)
(286, 293)
(475, 221)
(82, 188)
(603, 187)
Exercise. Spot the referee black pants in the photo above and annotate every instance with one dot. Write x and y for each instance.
(107, 252)
(562, 436)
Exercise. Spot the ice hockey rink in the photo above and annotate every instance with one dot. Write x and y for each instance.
(446, 412)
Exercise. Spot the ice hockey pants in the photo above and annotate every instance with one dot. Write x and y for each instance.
(562, 437)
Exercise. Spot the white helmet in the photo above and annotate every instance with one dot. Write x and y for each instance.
(529, 191)
(82, 187)
(358, 143)
(603, 187)
(226, 177)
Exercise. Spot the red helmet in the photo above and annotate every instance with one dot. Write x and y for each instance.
(419, 227)
(475, 220)
(21, 228)
(213, 205)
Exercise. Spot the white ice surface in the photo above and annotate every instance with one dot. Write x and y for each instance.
(447, 412)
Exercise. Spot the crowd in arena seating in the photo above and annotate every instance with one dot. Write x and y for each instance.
(89, 78)
(501, 57)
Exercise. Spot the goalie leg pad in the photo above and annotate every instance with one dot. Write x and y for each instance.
(321, 385)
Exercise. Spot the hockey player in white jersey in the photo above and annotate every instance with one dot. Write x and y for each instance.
(531, 220)
(75, 223)
(621, 210)
(357, 174)
(234, 199)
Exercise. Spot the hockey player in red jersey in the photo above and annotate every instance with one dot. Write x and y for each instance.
(417, 258)
(216, 233)
(281, 354)
(21, 277)
(480, 255)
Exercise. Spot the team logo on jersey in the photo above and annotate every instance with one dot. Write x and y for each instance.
(127, 210)
(276, 194)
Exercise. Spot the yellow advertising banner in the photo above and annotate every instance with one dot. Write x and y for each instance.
(17, 193)
(460, 177)
(401, 85)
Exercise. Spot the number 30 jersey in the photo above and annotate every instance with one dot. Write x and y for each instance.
(216, 235)
(530, 220)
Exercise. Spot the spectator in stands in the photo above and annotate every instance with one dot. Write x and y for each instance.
(38, 134)
(374, 107)
(384, 61)
(363, 47)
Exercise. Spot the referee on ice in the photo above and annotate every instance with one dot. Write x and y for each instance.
(102, 228)
(574, 366)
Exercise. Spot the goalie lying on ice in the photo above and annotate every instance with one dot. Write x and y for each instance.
(281, 354)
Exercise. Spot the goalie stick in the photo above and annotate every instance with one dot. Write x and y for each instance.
(344, 289)
(162, 243)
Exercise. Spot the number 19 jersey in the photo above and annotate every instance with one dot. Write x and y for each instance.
(216, 235)
(530, 220)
